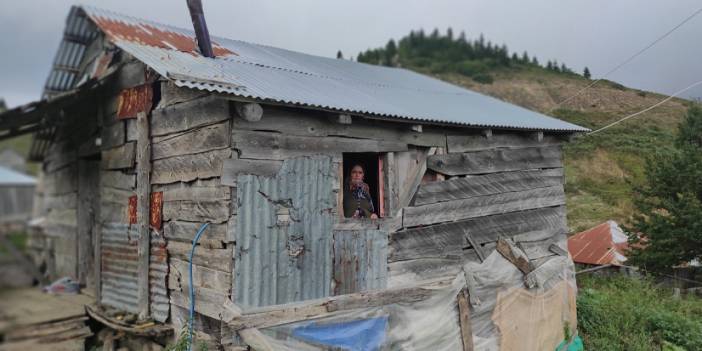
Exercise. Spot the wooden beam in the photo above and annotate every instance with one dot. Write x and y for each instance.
(271, 316)
(558, 250)
(143, 206)
(487, 133)
(407, 191)
(539, 136)
(497, 160)
(417, 128)
(512, 253)
(249, 111)
(464, 320)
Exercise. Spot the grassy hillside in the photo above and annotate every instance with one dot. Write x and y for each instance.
(601, 168)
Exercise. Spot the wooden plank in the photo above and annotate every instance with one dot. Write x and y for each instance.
(488, 184)
(60, 155)
(68, 200)
(455, 210)
(116, 196)
(464, 320)
(172, 94)
(207, 301)
(189, 167)
(391, 184)
(118, 179)
(62, 181)
(414, 175)
(249, 111)
(196, 211)
(451, 238)
(276, 146)
(201, 139)
(143, 206)
(206, 189)
(119, 157)
(185, 231)
(477, 142)
(113, 134)
(203, 277)
(309, 123)
(233, 167)
(218, 259)
(498, 160)
(512, 253)
(189, 115)
(270, 316)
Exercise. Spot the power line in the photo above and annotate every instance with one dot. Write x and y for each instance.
(631, 58)
(646, 109)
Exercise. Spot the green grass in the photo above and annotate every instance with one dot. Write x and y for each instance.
(619, 313)
(18, 239)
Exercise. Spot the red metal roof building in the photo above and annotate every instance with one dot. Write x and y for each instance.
(601, 245)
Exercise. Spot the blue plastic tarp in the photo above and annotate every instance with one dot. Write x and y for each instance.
(360, 335)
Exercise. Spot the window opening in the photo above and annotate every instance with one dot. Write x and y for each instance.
(354, 199)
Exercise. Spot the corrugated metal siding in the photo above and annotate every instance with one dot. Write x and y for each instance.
(119, 267)
(284, 234)
(360, 260)
(272, 74)
(159, 304)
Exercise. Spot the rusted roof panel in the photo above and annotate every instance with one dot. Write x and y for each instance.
(603, 244)
(276, 75)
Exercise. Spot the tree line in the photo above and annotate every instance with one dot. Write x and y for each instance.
(443, 52)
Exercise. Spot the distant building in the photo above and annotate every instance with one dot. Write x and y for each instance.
(605, 244)
(16, 195)
(12, 159)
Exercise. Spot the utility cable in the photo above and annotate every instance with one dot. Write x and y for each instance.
(631, 58)
(646, 109)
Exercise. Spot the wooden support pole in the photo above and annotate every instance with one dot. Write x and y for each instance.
(249, 111)
(464, 320)
(539, 136)
(143, 205)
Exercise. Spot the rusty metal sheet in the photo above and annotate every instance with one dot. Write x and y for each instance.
(132, 209)
(360, 260)
(156, 210)
(159, 304)
(284, 234)
(134, 100)
(119, 267)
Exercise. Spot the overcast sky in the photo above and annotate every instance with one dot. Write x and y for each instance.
(595, 33)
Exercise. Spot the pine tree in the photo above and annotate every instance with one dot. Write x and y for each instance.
(666, 229)
(390, 52)
(564, 69)
(534, 61)
(586, 73)
(462, 37)
(339, 55)
(549, 65)
(525, 58)
(3, 106)
(449, 34)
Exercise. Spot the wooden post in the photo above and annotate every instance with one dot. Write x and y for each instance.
(464, 319)
(143, 205)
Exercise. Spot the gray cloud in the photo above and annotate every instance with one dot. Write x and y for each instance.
(594, 33)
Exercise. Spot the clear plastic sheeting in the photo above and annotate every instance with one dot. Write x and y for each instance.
(505, 314)
(431, 324)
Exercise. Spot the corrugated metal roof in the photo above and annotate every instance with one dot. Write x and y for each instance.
(282, 76)
(603, 244)
(12, 177)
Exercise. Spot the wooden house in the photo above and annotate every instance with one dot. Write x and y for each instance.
(144, 139)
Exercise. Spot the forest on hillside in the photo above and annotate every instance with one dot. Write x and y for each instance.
(445, 53)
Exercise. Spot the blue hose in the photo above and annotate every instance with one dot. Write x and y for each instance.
(192, 289)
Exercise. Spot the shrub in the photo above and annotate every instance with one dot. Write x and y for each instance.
(483, 78)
